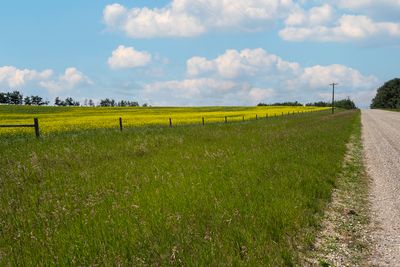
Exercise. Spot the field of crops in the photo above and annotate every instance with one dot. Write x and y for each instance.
(70, 118)
(236, 194)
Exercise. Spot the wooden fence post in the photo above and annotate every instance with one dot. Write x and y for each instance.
(243, 118)
(120, 124)
(256, 117)
(170, 122)
(203, 120)
(226, 119)
(266, 115)
(36, 124)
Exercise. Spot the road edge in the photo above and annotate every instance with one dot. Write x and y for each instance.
(344, 239)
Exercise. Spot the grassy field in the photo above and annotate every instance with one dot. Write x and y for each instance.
(71, 118)
(248, 193)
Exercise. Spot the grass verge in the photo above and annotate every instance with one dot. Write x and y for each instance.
(246, 193)
(344, 239)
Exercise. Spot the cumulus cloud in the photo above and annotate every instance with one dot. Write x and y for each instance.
(71, 79)
(204, 91)
(250, 76)
(258, 63)
(235, 64)
(315, 16)
(127, 57)
(323, 24)
(258, 95)
(334, 21)
(348, 28)
(14, 77)
(382, 9)
(185, 18)
(317, 77)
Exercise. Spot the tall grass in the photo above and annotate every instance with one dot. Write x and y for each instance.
(225, 194)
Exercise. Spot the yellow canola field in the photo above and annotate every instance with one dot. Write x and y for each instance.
(55, 119)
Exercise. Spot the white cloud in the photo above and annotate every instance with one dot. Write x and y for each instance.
(315, 16)
(227, 80)
(127, 57)
(190, 88)
(382, 9)
(185, 18)
(187, 92)
(71, 79)
(348, 28)
(261, 94)
(250, 76)
(113, 13)
(321, 24)
(203, 91)
(14, 77)
(235, 64)
(318, 77)
(24, 78)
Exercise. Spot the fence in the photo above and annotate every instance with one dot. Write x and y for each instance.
(35, 124)
(225, 118)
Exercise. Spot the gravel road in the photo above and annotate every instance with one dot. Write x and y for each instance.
(381, 139)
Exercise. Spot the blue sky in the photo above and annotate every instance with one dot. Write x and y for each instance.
(199, 52)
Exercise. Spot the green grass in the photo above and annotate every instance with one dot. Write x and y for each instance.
(225, 194)
(345, 235)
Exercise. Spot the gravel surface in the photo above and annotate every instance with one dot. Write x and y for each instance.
(381, 139)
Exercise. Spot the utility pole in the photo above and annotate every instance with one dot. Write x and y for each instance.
(333, 96)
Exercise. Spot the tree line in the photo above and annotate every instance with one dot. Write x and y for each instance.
(17, 98)
(344, 103)
(291, 104)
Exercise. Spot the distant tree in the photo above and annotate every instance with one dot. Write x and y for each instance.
(345, 103)
(69, 101)
(58, 102)
(15, 98)
(3, 98)
(319, 104)
(27, 101)
(145, 105)
(38, 101)
(293, 104)
(123, 103)
(134, 104)
(388, 95)
(91, 103)
(106, 102)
